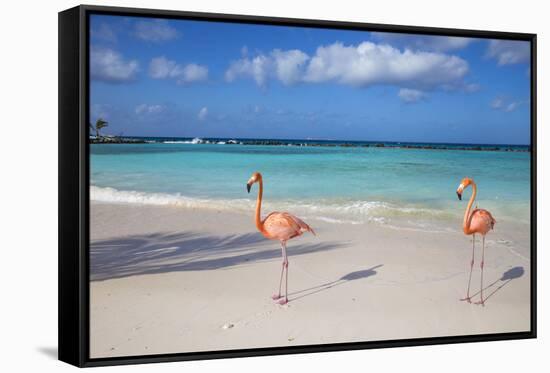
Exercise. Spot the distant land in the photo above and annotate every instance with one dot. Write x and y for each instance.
(308, 143)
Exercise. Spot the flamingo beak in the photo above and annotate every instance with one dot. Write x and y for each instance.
(459, 195)
(248, 186)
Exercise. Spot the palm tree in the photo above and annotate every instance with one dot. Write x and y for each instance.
(99, 124)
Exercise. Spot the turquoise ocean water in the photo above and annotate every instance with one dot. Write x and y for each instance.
(353, 185)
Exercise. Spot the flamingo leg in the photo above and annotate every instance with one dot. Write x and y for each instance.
(482, 301)
(285, 266)
(278, 295)
(468, 299)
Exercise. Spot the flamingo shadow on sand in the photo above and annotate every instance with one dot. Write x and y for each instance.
(357, 275)
(504, 280)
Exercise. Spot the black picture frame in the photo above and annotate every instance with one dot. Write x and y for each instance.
(74, 185)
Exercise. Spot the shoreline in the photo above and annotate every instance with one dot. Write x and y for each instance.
(401, 214)
(172, 279)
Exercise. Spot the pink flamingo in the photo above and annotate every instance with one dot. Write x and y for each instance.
(477, 221)
(280, 226)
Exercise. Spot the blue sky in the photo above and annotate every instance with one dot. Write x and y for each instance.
(153, 77)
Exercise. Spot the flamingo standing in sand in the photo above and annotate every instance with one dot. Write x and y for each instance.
(280, 226)
(477, 221)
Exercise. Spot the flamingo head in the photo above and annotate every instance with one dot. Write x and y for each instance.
(463, 185)
(256, 176)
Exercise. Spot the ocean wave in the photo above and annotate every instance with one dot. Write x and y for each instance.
(328, 219)
(334, 212)
(112, 195)
(198, 140)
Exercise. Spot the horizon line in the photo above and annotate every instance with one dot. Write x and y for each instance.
(326, 139)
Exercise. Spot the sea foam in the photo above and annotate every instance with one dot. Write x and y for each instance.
(112, 195)
(334, 212)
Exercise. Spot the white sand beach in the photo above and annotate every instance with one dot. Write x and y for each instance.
(169, 279)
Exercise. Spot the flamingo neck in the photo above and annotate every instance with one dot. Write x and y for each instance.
(466, 222)
(257, 218)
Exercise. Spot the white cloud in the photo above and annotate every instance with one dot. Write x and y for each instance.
(149, 109)
(511, 106)
(110, 66)
(162, 68)
(256, 68)
(193, 73)
(288, 65)
(505, 105)
(508, 52)
(369, 64)
(364, 64)
(424, 42)
(203, 113)
(411, 95)
(157, 30)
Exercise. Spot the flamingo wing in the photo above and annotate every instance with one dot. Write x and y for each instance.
(483, 217)
(303, 226)
(284, 226)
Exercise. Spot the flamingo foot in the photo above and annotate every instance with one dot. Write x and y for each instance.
(283, 301)
(481, 302)
(276, 296)
(467, 299)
